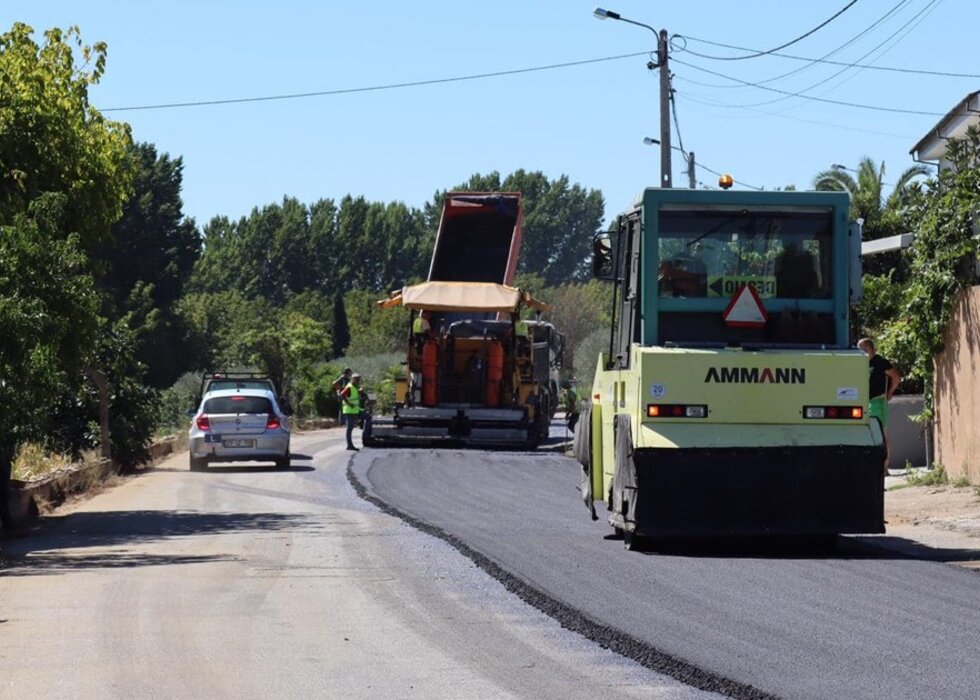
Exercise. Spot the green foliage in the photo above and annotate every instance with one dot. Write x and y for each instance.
(875, 316)
(146, 262)
(379, 372)
(931, 477)
(882, 216)
(941, 260)
(133, 405)
(48, 306)
(577, 310)
(340, 335)
(586, 355)
(374, 330)
(52, 139)
(282, 250)
(176, 400)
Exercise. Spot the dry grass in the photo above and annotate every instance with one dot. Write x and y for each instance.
(33, 462)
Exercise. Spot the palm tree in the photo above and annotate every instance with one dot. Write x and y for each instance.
(882, 216)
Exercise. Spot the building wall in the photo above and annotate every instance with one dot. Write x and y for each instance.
(957, 398)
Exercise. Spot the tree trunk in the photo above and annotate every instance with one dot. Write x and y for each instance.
(102, 385)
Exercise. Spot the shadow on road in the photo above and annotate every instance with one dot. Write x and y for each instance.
(850, 547)
(48, 564)
(77, 531)
(233, 468)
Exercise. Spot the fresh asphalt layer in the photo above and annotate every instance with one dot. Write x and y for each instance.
(746, 620)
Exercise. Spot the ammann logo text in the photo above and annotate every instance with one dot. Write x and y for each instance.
(754, 375)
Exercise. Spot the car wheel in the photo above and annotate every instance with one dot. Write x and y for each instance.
(198, 464)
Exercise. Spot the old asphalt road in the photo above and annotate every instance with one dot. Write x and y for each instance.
(248, 582)
(864, 621)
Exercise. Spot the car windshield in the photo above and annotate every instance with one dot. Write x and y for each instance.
(237, 404)
(712, 254)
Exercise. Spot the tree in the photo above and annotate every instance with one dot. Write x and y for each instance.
(48, 311)
(577, 310)
(942, 260)
(374, 331)
(146, 262)
(882, 215)
(53, 140)
(341, 328)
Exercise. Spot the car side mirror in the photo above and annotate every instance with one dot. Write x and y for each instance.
(602, 256)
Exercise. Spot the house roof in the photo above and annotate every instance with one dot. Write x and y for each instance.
(932, 146)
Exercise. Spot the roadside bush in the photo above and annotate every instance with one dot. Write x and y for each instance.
(587, 356)
(378, 373)
(175, 401)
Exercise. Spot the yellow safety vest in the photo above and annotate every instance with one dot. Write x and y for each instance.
(353, 403)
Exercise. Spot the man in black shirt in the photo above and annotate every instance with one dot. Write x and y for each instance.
(883, 380)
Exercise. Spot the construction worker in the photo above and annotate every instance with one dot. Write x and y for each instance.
(339, 384)
(570, 400)
(353, 410)
(422, 329)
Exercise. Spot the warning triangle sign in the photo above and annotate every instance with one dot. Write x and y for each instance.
(746, 309)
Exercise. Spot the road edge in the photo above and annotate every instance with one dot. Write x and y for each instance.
(571, 619)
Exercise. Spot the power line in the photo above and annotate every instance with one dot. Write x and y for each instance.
(373, 88)
(809, 97)
(904, 137)
(924, 11)
(867, 66)
(810, 63)
(789, 43)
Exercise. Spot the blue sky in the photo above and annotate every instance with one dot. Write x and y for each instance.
(586, 121)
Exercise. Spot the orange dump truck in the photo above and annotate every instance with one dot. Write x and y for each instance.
(471, 376)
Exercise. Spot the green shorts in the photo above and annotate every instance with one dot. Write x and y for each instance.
(879, 409)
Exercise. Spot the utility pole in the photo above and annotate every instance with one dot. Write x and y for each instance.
(691, 180)
(663, 44)
(665, 170)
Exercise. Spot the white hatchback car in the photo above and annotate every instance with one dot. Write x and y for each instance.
(239, 425)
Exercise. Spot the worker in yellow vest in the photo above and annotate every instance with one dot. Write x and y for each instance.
(422, 329)
(352, 400)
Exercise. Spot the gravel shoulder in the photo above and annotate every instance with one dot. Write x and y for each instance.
(942, 519)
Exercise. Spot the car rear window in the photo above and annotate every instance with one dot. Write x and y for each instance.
(219, 384)
(238, 404)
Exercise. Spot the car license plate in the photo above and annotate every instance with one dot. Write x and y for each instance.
(238, 443)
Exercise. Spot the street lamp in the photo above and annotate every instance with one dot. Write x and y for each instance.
(665, 170)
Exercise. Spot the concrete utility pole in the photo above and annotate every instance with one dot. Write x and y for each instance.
(691, 180)
(662, 51)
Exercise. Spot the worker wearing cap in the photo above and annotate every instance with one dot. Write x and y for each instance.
(339, 384)
(353, 410)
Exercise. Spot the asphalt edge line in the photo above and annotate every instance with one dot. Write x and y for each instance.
(570, 618)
